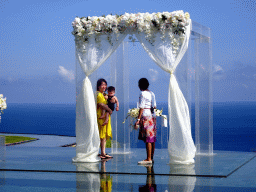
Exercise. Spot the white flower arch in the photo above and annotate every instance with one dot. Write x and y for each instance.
(165, 37)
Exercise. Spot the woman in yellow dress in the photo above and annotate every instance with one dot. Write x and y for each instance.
(105, 131)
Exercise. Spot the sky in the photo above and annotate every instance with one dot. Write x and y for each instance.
(37, 49)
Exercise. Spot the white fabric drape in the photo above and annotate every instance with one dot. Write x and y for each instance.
(89, 182)
(181, 183)
(180, 145)
(90, 56)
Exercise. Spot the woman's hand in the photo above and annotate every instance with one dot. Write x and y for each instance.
(138, 120)
(136, 126)
(113, 99)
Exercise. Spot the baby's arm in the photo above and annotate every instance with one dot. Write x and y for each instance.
(117, 104)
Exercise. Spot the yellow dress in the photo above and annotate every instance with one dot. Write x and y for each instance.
(106, 183)
(106, 130)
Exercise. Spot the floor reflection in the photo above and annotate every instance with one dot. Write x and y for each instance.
(87, 181)
(2, 166)
(150, 182)
(105, 179)
(182, 183)
(93, 181)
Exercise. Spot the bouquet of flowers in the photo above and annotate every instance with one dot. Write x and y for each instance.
(134, 113)
(2, 103)
(158, 112)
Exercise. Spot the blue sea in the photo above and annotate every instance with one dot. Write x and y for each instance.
(234, 123)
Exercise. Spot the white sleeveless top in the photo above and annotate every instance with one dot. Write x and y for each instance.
(146, 100)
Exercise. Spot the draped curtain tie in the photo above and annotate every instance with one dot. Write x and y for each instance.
(171, 72)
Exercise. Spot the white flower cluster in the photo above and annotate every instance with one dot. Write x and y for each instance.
(158, 112)
(134, 113)
(3, 104)
(172, 23)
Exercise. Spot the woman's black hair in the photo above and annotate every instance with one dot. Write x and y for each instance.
(143, 84)
(99, 82)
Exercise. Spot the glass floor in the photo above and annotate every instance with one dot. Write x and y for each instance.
(23, 181)
(58, 159)
(51, 169)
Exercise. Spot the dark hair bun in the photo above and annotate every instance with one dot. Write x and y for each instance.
(143, 83)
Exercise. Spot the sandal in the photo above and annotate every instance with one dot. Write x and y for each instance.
(103, 157)
(144, 162)
(108, 156)
(146, 165)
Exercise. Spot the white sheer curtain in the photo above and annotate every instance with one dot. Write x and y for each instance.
(181, 183)
(180, 145)
(89, 182)
(91, 56)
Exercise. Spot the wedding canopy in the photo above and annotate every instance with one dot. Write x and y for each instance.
(164, 36)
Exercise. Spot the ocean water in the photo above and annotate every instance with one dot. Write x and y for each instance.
(234, 123)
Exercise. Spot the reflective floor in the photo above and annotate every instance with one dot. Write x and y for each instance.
(58, 159)
(30, 168)
(37, 181)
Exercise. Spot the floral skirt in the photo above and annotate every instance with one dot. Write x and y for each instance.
(148, 129)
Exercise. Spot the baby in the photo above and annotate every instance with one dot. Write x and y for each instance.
(112, 100)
